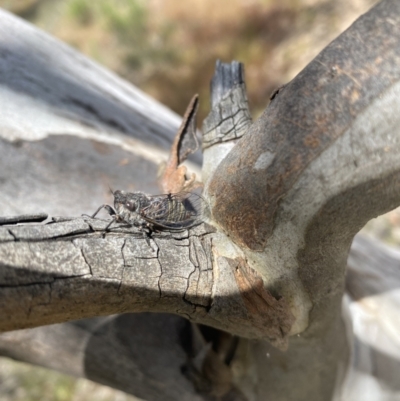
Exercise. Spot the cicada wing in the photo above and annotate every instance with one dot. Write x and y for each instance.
(175, 211)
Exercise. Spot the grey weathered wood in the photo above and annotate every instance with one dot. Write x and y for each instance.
(69, 128)
(286, 199)
(28, 218)
(372, 307)
(49, 271)
(229, 117)
(69, 111)
(322, 160)
(90, 347)
(133, 352)
(114, 351)
(63, 92)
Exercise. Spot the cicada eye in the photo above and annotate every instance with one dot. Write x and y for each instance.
(130, 206)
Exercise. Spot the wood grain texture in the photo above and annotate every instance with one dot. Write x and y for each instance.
(48, 272)
(229, 117)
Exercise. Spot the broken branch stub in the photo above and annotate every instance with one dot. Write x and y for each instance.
(229, 117)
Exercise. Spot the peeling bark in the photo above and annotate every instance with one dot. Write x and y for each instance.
(269, 313)
(185, 143)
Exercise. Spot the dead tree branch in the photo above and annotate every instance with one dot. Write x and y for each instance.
(287, 194)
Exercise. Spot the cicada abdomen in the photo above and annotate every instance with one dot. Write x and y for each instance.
(174, 211)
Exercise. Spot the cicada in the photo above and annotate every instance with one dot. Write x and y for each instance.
(156, 212)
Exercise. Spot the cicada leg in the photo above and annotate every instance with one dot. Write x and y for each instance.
(110, 211)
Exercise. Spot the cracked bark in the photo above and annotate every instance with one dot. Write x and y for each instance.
(46, 269)
(287, 194)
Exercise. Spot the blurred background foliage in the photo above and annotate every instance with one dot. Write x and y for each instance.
(168, 49)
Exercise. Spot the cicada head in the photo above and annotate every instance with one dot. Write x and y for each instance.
(129, 204)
